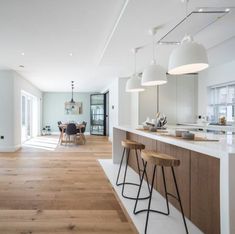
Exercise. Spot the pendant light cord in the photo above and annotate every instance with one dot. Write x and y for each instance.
(72, 93)
(135, 62)
(154, 55)
(186, 16)
(186, 8)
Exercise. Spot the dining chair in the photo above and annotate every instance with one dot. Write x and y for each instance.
(60, 128)
(83, 129)
(62, 131)
(71, 130)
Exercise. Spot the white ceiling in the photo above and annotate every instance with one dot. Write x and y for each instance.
(48, 30)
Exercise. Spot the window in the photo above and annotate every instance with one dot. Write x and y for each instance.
(222, 102)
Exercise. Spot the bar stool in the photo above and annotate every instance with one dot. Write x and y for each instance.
(129, 145)
(162, 160)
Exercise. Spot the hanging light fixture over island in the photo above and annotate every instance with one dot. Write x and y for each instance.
(154, 74)
(134, 83)
(189, 56)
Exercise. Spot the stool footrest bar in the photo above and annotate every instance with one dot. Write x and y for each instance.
(155, 211)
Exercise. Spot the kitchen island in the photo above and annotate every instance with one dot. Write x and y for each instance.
(206, 176)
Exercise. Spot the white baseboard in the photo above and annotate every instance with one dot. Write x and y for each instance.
(9, 149)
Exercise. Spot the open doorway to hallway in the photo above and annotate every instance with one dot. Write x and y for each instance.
(29, 116)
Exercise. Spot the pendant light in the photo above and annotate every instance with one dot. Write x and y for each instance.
(72, 102)
(189, 57)
(154, 74)
(133, 84)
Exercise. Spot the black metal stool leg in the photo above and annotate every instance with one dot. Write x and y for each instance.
(166, 194)
(150, 199)
(141, 182)
(150, 196)
(146, 176)
(138, 165)
(139, 170)
(124, 178)
(178, 195)
(119, 170)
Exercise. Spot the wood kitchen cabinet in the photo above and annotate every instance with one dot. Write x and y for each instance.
(205, 190)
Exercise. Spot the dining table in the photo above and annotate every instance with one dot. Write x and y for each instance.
(81, 135)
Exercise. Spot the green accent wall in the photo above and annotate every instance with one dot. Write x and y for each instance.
(53, 109)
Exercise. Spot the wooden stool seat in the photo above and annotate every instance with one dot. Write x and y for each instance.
(132, 145)
(159, 159)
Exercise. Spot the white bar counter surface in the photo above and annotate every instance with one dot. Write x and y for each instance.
(223, 149)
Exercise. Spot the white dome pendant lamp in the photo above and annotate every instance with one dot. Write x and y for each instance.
(133, 84)
(188, 57)
(154, 74)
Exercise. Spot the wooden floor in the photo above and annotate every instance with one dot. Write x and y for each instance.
(59, 191)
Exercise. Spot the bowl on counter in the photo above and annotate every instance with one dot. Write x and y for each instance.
(153, 129)
(145, 127)
(188, 135)
(179, 133)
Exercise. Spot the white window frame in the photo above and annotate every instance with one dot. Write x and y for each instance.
(212, 90)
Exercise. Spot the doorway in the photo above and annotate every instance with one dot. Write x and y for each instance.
(97, 103)
(107, 114)
(99, 114)
(29, 116)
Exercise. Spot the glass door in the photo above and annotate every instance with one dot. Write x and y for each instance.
(107, 114)
(97, 103)
(26, 117)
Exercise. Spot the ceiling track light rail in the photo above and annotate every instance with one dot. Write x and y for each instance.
(202, 11)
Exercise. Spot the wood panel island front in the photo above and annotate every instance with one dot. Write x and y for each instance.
(206, 175)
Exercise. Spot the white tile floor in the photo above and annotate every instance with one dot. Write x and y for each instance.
(158, 224)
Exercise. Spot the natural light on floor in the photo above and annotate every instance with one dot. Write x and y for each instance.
(44, 143)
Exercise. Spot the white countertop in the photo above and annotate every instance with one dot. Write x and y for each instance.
(226, 128)
(222, 148)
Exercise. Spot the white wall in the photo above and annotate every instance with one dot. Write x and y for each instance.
(11, 84)
(221, 70)
(119, 104)
(53, 109)
(7, 111)
(124, 103)
(113, 105)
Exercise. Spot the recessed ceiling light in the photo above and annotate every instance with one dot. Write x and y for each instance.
(21, 66)
(22, 53)
(227, 9)
(200, 10)
(70, 54)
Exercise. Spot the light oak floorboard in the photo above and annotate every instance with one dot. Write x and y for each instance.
(59, 191)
